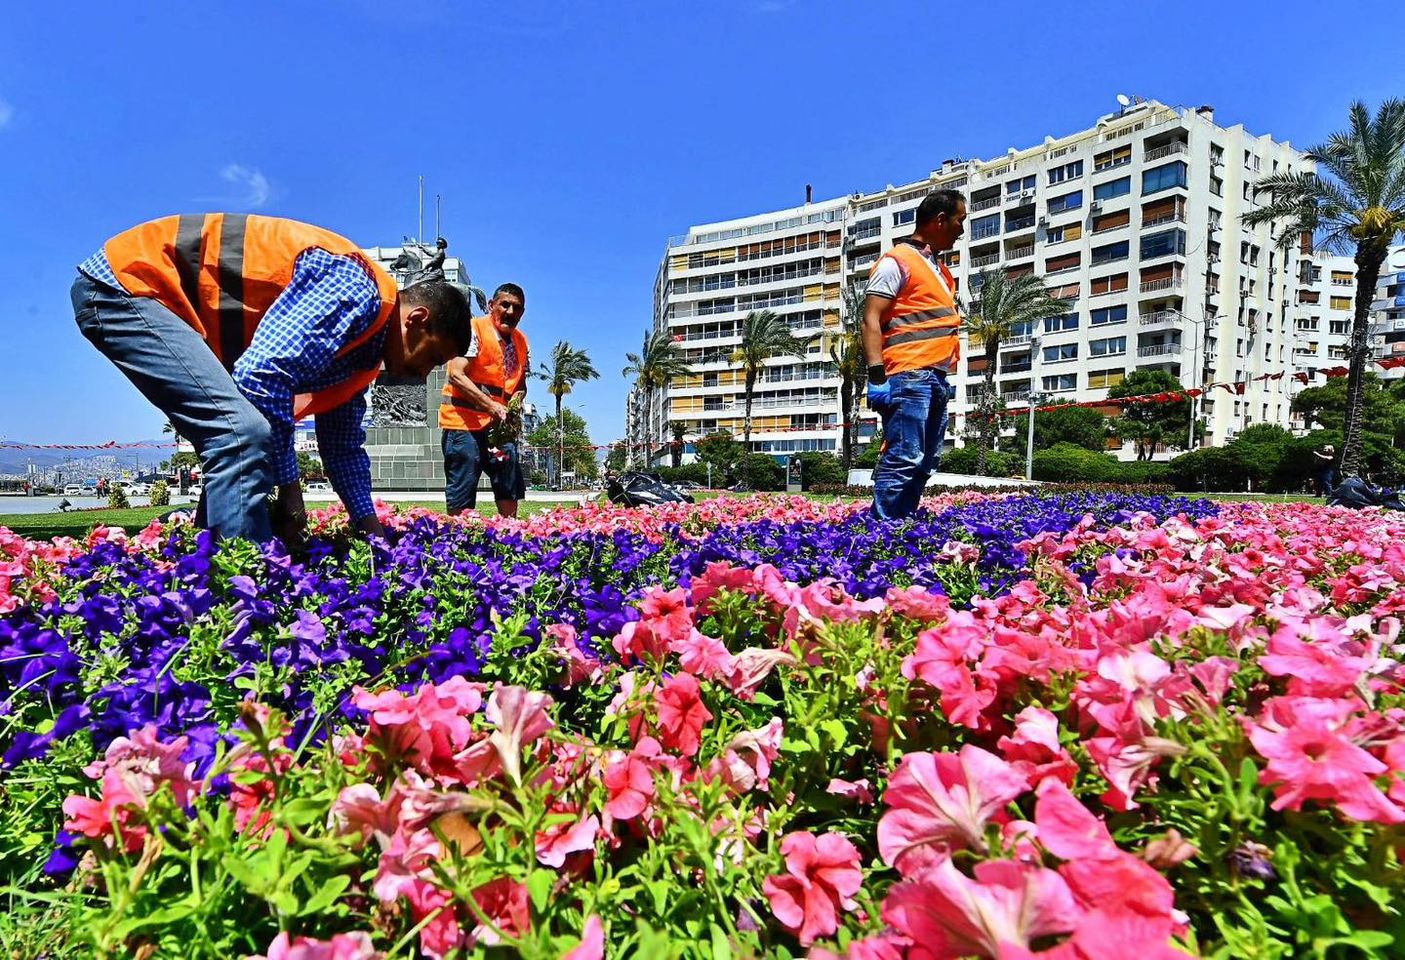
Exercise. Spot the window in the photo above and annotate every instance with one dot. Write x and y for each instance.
(1112, 158)
(1069, 321)
(1108, 315)
(1115, 283)
(1111, 347)
(1341, 303)
(1163, 244)
(1111, 252)
(1305, 323)
(1341, 278)
(1217, 186)
(1163, 177)
(1111, 221)
(1024, 222)
(1102, 379)
(1069, 171)
(985, 227)
(1113, 188)
(1338, 326)
(1062, 383)
(904, 216)
(1061, 352)
(1068, 261)
(1071, 231)
(1018, 185)
(1069, 201)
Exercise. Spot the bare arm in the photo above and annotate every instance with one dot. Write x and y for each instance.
(872, 330)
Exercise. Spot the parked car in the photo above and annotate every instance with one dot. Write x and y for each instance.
(73, 490)
(319, 486)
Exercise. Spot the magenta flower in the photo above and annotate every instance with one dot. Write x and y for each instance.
(821, 877)
(941, 801)
(592, 945)
(1067, 829)
(630, 780)
(681, 714)
(342, 946)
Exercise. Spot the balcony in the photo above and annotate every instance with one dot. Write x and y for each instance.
(985, 261)
(1016, 368)
(1015, 396)
(985, 232)
(1170, 283)
(1020, 223)
(1177, 216)
(986, 204)
(1160, 350)
(1017, 341)
(1159, 318)
(1169, 150)
(1019, 253)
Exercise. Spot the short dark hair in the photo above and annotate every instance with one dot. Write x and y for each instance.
(512, 290)
(938, 202)
(450, 315)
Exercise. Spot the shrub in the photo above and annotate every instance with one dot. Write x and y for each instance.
(761, 472)
(1067, 463)
(997, 464)
(117, 499)
(160, 494)
(817, 468)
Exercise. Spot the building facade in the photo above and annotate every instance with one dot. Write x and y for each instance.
(1135, 223)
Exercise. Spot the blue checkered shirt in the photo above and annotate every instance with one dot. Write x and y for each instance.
(330, 301)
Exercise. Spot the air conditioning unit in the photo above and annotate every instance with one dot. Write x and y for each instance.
(1095, 207)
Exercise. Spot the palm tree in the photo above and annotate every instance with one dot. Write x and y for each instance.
(1360, 206)
(656, 366)
(1006, 304)
(764, 335)
(675, 451)
(847, 353)
(568, 367)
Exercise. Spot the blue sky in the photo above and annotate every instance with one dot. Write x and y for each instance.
(569, 141)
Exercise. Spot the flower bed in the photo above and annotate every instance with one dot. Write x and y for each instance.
(1011, 726)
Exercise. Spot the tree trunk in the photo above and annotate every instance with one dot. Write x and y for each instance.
(560, 442)
(746, 423)
(1369, 257)
(988, 426)
(846, 417)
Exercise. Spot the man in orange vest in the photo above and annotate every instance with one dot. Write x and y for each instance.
(479, 386)
(236, 326)
(910, 328)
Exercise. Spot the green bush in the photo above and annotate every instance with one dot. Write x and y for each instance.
(160, 494)
(117, 498)
(1067, 463)
(821, 468)
(690, 472)
(997, 464)
(760, 471)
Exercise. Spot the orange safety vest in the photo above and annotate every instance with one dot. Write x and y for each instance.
(920, 326)
(220, 272)
(487, 371)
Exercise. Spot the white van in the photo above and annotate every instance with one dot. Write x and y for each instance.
(73, 490)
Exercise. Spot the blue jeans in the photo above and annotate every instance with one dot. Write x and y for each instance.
(466, 456)
(914, 430)
(173, 367)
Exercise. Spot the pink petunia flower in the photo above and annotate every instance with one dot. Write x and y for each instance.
(592, 945)
(822, 875)
(520, 717)
(562, 839)
(940, 801)
(630, 780)
(681, 714)
(342, 946)
(1008, 904)
(1067, 829)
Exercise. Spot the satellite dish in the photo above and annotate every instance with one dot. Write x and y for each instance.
(1125, 100)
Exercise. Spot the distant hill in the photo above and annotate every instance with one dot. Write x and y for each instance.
(81, 463)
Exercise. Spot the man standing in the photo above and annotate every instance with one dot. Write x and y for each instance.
(910, 327)
(480, 384)
(236, 326)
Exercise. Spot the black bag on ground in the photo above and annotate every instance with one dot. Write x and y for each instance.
(1357, 493)
(643, 490)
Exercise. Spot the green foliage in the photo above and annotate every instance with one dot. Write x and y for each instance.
(579, 453)
(963, 460)
(617, 457)
(309, 467)
(721, 450)
(160, 494)
(185, 458)
(117, 498)
(761, 472)
(1081, 426)
(691, 472)
(1150, 424)
(817, 468)
(1067, 463)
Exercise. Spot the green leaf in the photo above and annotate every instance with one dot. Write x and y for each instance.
(1248, 783)
(838, 733)
(539, 883)
(326, 895)
(721, 947)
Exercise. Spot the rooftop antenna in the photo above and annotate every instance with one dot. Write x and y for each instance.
(438, 209)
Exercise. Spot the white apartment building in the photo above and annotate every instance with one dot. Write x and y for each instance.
(1134, 223)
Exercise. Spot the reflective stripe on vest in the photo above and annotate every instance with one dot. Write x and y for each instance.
(920, 326)
(488, 373)
(221, 272)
